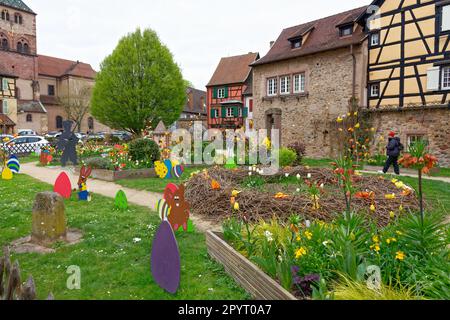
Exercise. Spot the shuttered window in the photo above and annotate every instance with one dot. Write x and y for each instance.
(5, 108)
(433, 79)
(445, 18)
(5, 84)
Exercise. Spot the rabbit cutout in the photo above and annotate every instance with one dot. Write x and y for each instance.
(179, 207)
(83, 193)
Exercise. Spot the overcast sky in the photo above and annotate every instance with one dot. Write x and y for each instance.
(198, 32)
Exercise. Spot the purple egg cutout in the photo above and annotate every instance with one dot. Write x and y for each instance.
(165, 260)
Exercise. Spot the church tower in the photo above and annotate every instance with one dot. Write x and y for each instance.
(18, 48)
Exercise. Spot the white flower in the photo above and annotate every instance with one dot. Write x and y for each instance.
(299, 176)
(308, 224)
(286, 175)
(250, 174)
(309, 175)
(136, 240)
(269, 236)
(322, 186)
(298, 190)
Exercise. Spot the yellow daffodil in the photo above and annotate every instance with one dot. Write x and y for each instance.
(375, 247)
(390, 196)
(401, 209)
(400, 256)
(392, 214)
(373, 208)
(300, 252)
(236, 206)
(308, 235)
(349, 114)
(376, 239)
(399, 233)
(391, 240)
(299, 238)
(357, 126)
(400, 185)
(394, 181)
(339, 120)
(235, 193)
(356, 114)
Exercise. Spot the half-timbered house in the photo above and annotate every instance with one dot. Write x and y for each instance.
(227, 93)
(409, 70)
(8, 102)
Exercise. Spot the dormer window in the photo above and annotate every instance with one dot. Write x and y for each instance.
(296, 42)
(346, 30)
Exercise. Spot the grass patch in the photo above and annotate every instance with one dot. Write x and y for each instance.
(112, 265)
(157, 184)
(319, 163)
(443, 172)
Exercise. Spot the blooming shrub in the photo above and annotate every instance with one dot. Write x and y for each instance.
(288, 157)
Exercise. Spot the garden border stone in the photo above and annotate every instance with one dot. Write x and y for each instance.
(112, 176)
(247, 274)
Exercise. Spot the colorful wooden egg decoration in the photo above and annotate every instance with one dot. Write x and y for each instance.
(163, 209)
(7, 174)
(13, 164)
(165, 259)
(121, 201)
(63, 186)
(177, 171)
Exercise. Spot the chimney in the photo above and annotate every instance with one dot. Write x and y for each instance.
(272, 43)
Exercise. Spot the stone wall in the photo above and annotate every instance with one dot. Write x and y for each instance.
(433, 124)
(308, 118)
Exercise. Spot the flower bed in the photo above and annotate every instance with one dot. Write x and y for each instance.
(314, 193)
(349, 258)
(112, 176)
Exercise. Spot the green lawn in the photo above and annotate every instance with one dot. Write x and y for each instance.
(157, 184)
(443, 172)
(321, 163)
(112, 265)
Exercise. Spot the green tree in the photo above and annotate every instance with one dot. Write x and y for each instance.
(138, 85)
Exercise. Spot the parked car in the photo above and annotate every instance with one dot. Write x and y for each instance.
(122, 135)
(95, 136)
(26, 132)
(24, 144)
(53, 134)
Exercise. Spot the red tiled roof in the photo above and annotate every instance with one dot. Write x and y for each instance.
(324, 35)
(233, 69)
(6, 121)
(55, 67)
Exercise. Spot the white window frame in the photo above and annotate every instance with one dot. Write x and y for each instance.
(373, 36)
(299, 83)
(445, 14)
(216, 113)
(415, 137)
(5, 84)
(221, 93)
(5, 108)
(272, 87)
(230, 112)
(285, 85)
(372, 86)
(445, 71)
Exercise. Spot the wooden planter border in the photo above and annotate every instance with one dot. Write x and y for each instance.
(247, 274)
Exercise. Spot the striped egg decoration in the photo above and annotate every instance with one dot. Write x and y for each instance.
(163, 209)
(13, 164)
(177, 171)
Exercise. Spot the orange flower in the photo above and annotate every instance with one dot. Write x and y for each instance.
(281, 195)
(215, 185)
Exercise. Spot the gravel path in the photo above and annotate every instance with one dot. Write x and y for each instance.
(108, 189)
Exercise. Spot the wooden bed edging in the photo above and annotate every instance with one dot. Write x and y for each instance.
(247, 274)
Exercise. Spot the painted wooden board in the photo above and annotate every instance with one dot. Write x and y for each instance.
(165, 259)
(63, 186)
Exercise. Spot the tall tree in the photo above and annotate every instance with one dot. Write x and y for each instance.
(77, 103)
(138, 85)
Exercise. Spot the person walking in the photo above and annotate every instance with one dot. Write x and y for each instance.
(394, 148)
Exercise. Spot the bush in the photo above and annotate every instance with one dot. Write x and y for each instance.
(300, 151)
(287, 157)
(145, 150)
(97, 163)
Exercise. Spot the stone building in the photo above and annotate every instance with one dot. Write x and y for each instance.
(42, 83)
(308, 78)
